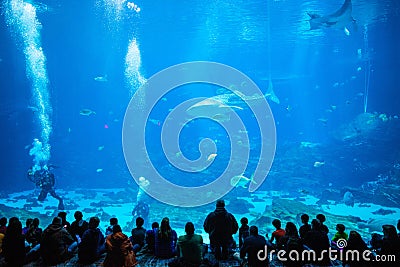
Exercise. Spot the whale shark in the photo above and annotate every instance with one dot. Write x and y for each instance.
(217, 107)
(340, 19)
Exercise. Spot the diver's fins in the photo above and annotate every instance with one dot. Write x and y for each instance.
(61, 205)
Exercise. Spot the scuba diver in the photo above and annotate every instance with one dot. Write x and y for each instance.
(141, 210)
(44, 179)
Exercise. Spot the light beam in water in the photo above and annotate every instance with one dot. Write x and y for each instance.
(367, 68)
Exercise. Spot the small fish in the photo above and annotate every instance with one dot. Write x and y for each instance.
(309, 144)
(359, 53)
(211, 157)
(99, 170)
(33, 109)
(86, 112)
(155, 122)
(383, 117)
(346, 31)
(100, 148)
(303, 191)
(241, 180)
(221, 117)
(323, 121)
(359, 69)
(318, 164)
(101, 78)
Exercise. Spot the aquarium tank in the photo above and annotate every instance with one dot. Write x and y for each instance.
(279, 107)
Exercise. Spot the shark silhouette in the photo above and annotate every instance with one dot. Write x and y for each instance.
(340, 19)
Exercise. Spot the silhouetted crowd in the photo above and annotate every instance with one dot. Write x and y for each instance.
(308, 245)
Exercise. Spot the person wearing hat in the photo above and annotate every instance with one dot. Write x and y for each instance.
(220, 225)
(57, 244)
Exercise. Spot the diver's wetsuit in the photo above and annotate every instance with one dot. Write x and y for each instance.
(141, 210)
(45, 180)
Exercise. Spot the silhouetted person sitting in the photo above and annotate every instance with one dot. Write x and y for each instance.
(355, 243)
(317, 240)
(113, 222)
(398, 227)
(220, 225)
(27, 224)
(34, 234)
(79, 226)
(291, 242)
(119, 250)
(92, 244)
(252, 246)
(150, 237)
(276, 235)
(165, 240)
(14, 244)
(44, 179)
(190, 247)
(322, 219)
(3, 225)
(57, 244)
(64, 222)
(305, 227)
(34, 237)
(244, 231)
(138, 235)
(340, 234)
(390, 245)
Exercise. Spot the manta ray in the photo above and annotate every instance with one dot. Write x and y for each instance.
(340, 19)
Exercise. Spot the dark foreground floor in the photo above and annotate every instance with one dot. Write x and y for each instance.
(147, 260)
(144, 260)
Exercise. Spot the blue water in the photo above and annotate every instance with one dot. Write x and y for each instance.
(318, 76)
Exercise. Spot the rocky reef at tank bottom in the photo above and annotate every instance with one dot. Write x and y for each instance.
(356, 182)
